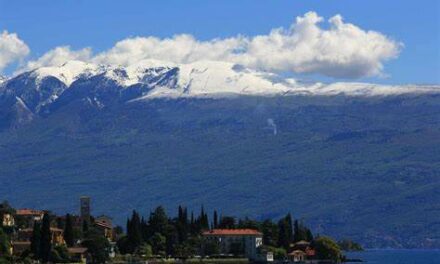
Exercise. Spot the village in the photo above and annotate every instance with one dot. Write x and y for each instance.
(39, 236)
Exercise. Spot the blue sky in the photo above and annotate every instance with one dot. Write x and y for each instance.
(43, 25)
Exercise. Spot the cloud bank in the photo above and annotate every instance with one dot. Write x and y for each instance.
(12, 49)
(340, 50)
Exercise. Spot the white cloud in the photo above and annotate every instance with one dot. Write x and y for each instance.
(59, 56)
(342, 50)
(12, 49)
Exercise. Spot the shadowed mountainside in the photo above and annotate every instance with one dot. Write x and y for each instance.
(364, 168)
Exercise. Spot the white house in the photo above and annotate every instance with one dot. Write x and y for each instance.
(248, 240)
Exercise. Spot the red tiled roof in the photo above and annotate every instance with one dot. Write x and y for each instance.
(232, 232)
(310, 252)
(102, 224)
(29, 212)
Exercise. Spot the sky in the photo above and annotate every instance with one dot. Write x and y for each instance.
(392, 42)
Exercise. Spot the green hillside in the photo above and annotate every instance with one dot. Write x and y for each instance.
(367, 169)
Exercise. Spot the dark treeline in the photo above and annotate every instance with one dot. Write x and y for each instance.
(161, 235)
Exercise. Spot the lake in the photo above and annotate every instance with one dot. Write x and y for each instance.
(398, 256)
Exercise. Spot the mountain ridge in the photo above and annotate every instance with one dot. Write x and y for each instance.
(350, 165)
(204, 79)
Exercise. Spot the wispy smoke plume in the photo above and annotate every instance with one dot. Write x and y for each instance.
(271, 124)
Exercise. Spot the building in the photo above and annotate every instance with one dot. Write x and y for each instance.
(245, 241)
(104, 219)
(105, 228)
(25, 235)
(297, 256)
(8, 220)
(18, 247)
(27, 217)
(78, 254)
(301, 251)
(85, 208)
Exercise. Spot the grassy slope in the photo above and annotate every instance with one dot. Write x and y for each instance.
(366, 169)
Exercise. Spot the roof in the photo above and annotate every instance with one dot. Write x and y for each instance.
(30, 230)
(21, 243)
(103, 216)
(232, 232)
(302, 242)
(76, 250)
(27, 211)
(297, 252)
(310, 252)
(102, 224)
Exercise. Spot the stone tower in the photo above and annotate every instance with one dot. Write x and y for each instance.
(85, 207)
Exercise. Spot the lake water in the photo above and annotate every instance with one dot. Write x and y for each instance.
(393, 256)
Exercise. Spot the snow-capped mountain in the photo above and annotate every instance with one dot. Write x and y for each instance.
(83, 128)
(46, 87)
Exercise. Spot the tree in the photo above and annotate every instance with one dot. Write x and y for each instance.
(158, 221)
(145, 250)
(60, 254)
(215, 219)
(4, 243)
(203, 219)
(184, 251)
(227, 222)
(270, 233)
(97, 246)
(36, 240)
(285, 232)
(182, 226)
(158, 243)
(134, 232)
(211, 247)
(68, 231)
(296, 232)
(85, 226)
(326, 248)
(46, 239)
(301, 232)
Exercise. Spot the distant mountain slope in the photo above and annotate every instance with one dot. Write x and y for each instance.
(364, 167)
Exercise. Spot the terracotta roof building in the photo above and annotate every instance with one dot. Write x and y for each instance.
(244, 242)
(28, 216)
(233, 232)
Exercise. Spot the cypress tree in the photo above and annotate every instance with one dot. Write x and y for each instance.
(289, 228)
(215, 219)
(296, 232)
(85, 226)
(46, 239)
(68, 231)
(35, 240)
(135, 234)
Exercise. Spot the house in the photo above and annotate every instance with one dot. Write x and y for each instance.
(104, 219)
(27, 217)
(8, 220)
(297, 256)
(18, 247)
(242, 241)
(301, 251)
(25, 235)
(105, 229)
(104, 224)
(78, 254)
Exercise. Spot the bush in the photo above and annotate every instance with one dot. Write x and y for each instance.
(327, 249)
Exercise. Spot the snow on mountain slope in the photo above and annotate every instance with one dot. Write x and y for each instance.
(2, 79)
(68, 72)
(210, 79)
